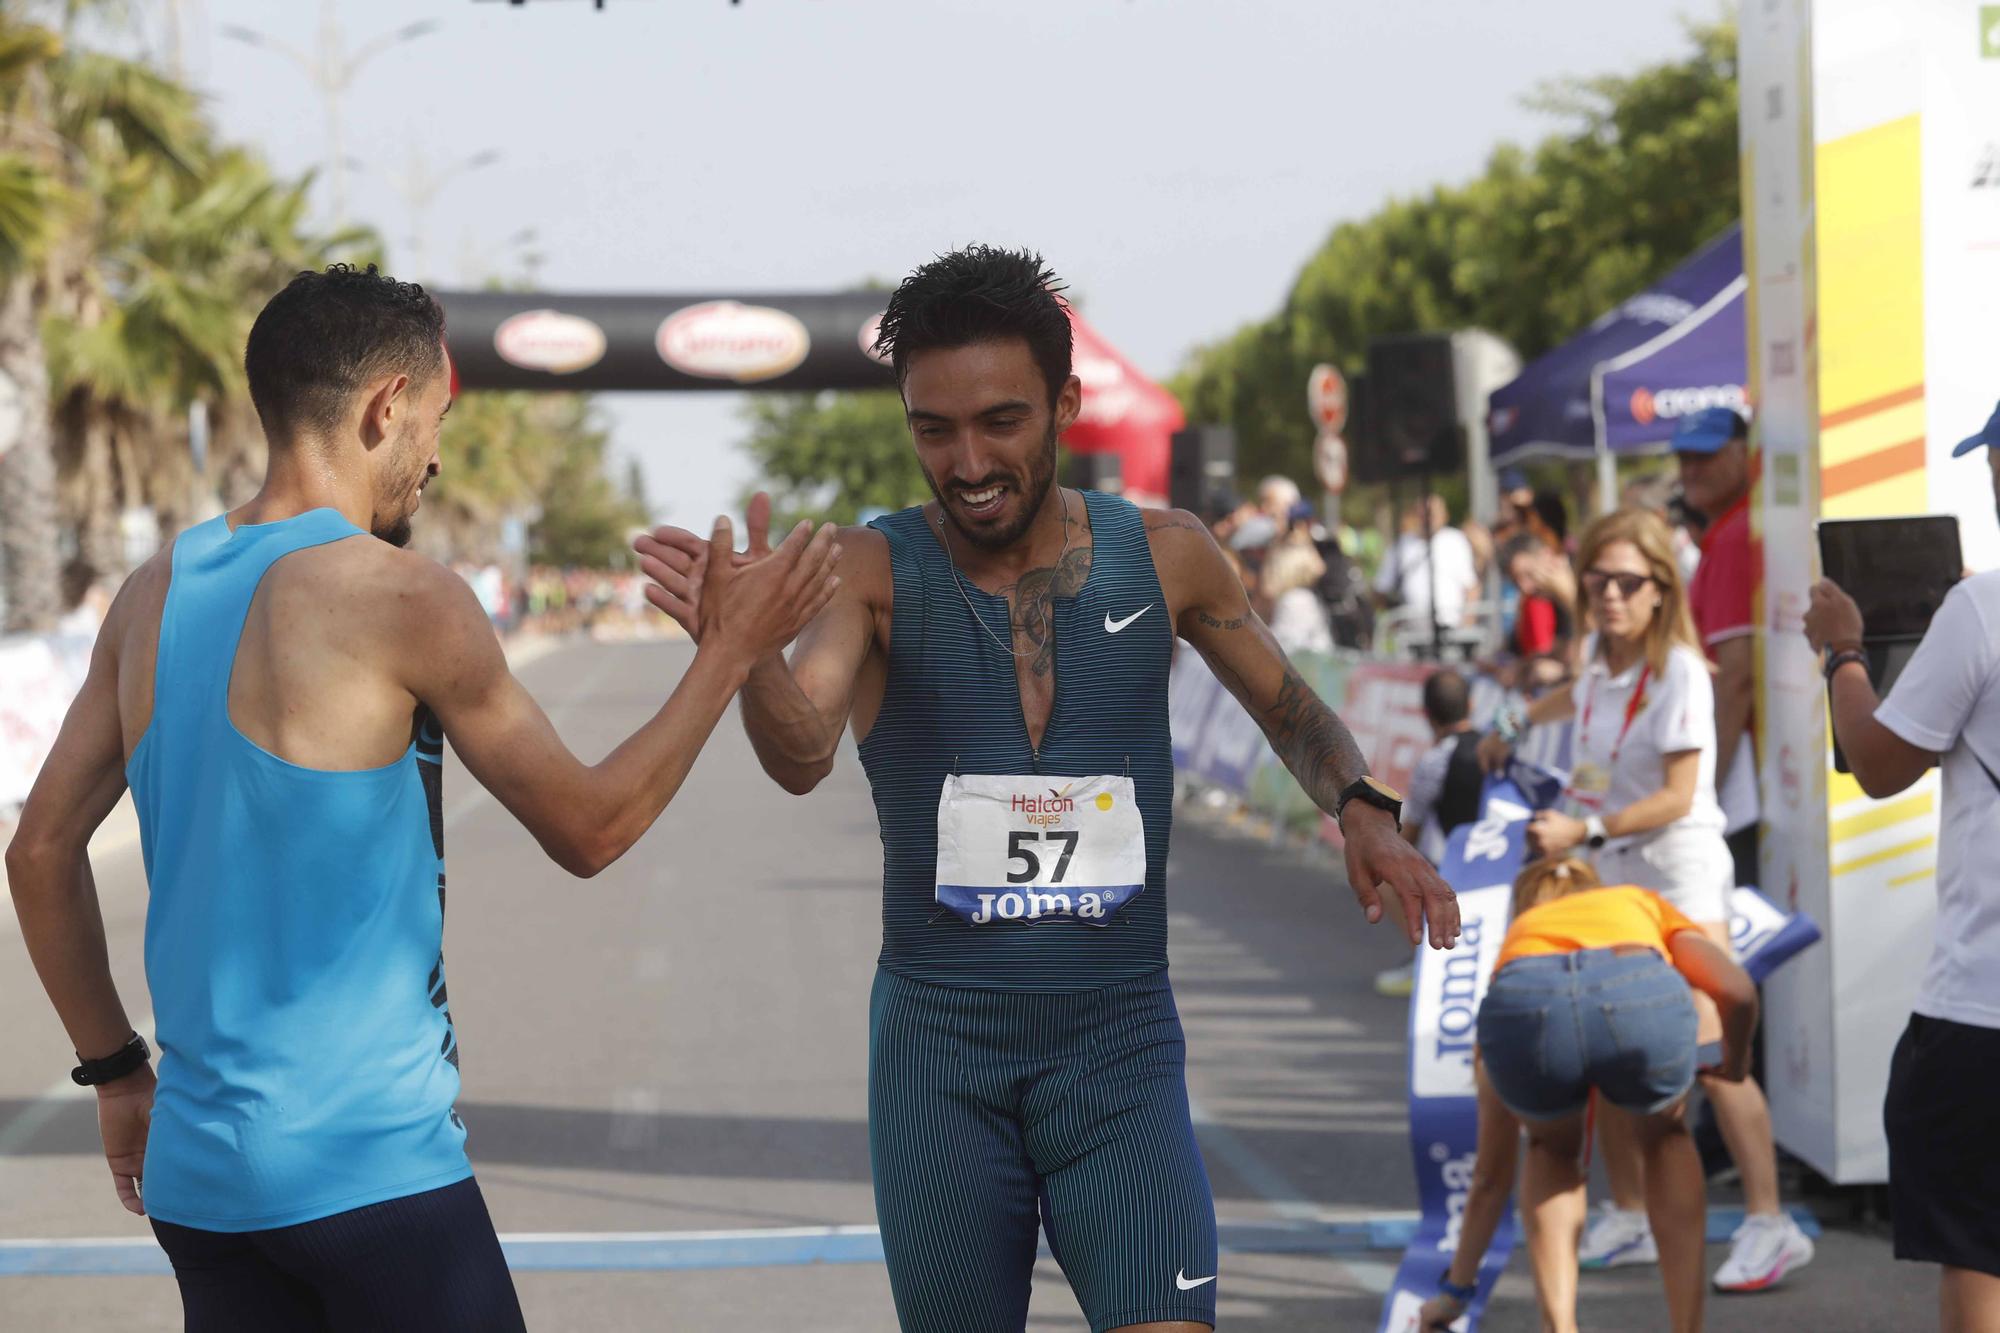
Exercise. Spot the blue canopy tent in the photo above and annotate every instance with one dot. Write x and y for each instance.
(1700, 362)
(1679, 339)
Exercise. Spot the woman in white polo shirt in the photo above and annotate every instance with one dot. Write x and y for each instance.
(1641, 802)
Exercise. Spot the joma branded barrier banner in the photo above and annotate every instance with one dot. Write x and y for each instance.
(1764, 934)
(1217, 743)
(1480, 862)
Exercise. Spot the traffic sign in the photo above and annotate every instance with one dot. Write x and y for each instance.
(1326, 395)
(1330, 462)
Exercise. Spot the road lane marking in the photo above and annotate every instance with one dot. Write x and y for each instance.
(763, 1247)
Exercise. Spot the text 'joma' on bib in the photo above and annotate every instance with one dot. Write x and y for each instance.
(1028, 849)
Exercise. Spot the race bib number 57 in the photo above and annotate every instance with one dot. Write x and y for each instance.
(1031, 849)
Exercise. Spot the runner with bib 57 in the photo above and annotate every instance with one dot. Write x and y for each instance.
(1001, 655)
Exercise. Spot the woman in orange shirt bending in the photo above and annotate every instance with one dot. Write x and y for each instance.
(1591, 993)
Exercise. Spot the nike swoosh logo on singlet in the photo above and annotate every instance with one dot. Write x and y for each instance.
(1113, 626)
(1186, 1283)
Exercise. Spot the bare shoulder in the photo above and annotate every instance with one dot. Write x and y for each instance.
(128, 643)
(398, 608)
(135, 612)
(1185, 552)
(867, 576)
(864, 562)
(1172, 525)
(368, 579)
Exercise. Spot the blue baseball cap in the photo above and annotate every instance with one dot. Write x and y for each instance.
(1990, 434)
(1512, 479)
(1707, 431)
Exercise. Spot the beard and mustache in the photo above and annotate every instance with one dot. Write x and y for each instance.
(1031, 488)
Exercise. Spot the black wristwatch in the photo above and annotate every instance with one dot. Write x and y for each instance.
(1836, 661)
(1378, 794)
(127, 1058)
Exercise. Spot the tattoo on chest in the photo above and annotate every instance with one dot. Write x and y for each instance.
(1034, 617)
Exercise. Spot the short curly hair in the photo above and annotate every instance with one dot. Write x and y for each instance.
(975, 295)
(327, 334)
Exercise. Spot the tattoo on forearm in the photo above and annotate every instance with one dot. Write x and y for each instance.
(1235, 622)
(1315, 744)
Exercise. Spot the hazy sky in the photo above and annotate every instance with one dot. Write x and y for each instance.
(1175, 160)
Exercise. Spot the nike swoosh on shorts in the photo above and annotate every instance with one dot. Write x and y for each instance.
(1186, 1283)
(1113, 626)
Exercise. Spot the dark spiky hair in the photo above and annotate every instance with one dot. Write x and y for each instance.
(975, 295)
(326, 335)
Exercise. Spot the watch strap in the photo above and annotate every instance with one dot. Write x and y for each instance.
(1842, 658)
(1462, 1294)
(117, 1065)
(1368, 792)
(1594, 832)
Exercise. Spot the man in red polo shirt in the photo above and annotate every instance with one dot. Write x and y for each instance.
(1714, 453)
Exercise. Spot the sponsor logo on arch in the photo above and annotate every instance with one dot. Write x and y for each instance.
(728, 340)
(550, 340)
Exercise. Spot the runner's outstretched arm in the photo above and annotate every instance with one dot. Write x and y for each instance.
(794, 713)
(1212, 612)
(587, 816)
(55, 895)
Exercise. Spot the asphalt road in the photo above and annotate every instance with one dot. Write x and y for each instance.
(679, 1046)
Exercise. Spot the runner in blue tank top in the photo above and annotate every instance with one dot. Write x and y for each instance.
(1001, 655)
(275, 688)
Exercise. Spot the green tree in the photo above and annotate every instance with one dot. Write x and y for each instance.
(31, 203)
(1536, 247)
(829, 456)
(539, 455)
(134, 251)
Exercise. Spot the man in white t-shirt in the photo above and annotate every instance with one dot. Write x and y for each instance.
(1405, 577)
(1943, 1104)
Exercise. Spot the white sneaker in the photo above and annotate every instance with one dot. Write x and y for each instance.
(1762, 1251)
(1616, 1238)
(1397, 982)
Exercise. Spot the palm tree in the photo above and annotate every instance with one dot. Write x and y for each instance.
(30, 198)
(134, 251)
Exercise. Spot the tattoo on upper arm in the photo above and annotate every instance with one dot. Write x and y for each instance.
(1163, 520)
(1314, 743)
(1234, 622)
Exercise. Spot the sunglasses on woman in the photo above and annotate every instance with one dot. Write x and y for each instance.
(1596, 580)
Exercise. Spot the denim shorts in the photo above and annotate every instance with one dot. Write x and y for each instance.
(1554, 1026)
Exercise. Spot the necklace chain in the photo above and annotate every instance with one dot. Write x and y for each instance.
(959, 580)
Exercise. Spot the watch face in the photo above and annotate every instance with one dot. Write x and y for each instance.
(1384, 789)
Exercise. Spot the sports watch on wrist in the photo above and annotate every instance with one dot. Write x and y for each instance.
(1370, 792)
(1840, 658)
(1594, 833)
(117, 1065)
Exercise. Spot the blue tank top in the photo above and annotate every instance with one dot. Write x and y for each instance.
(952, 704)
(293, 941)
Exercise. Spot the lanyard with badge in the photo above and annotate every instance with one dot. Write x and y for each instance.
(1589, 784)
